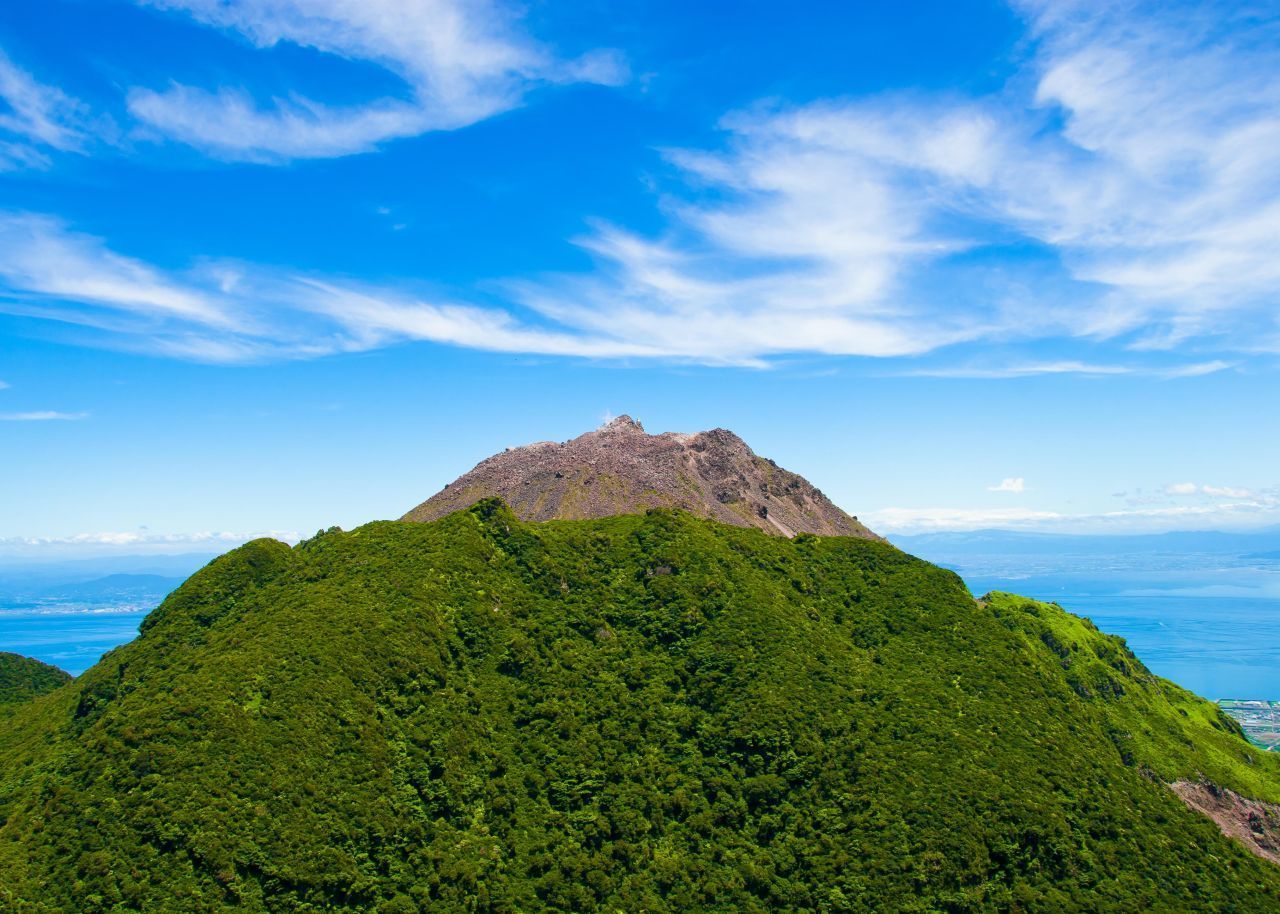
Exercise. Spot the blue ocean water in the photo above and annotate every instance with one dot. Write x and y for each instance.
(72, 637)
(1209, 623)
(69, 612)
(1218, 647)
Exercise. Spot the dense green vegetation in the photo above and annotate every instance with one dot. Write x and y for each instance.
(641, 713)
(22, 679)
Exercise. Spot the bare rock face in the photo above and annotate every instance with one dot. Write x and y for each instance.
(1253, 823)
(620, 469)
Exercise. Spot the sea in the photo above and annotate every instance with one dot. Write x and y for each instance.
(1202, 612)
(71, 612)
(73, 636)
(1204, 616)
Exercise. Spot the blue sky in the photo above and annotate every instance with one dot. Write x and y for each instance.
(272, 265)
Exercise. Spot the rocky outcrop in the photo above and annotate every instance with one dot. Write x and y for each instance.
(1253, 823)
(620, 469)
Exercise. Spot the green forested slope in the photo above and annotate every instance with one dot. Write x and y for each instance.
(641, 713)
(22, 679)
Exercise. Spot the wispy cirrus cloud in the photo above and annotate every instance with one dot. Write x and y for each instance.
(1122, 192)
(41, 258)
(230, 312)
(1173, 114)
(1198, 369)
(460, 61)
(1022, 370)
(37, 119)
(994, 370)
(45, 415)
(1124, 187)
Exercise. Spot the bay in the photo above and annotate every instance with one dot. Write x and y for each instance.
(1207, 620)
(71, 637)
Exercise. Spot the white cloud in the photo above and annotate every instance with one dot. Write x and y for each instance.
(1136, 153)
(1172, 115)
(461, 61)
(228, 124)
(899, 520)
(376, 317)
(1184, 489)
(1198, 369)
(1068, 367)
(232, 312)
(1227, 515)
(1228, 492)
(805, 251)
(41, 416)
(1020, 370)
(142, 537)
(1009, 484)
(36, 119)
(1177, 506)
(140, 542)
(39, 256)
(228, 313)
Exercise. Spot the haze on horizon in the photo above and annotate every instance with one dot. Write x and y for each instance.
(269, 266)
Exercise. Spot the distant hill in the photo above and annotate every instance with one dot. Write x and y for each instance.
(23, 578)
(22, 679)
(619, 469)
(649, 712)
(114, 587)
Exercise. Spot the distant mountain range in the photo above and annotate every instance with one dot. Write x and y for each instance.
(114, 587)
(101, 579)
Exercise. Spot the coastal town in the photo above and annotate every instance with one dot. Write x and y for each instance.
(1260, 720)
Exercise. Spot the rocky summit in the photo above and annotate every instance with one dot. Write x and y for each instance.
(621, 469)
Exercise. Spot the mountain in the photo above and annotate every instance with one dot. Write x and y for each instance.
(648, 712)
(24, 579)
(619, 469)
(114, 587)
(22, 679)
